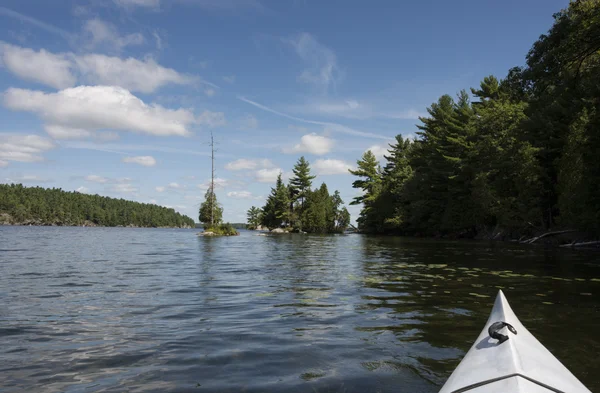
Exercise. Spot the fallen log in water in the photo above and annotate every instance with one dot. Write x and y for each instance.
(581, 244)
(535, 239)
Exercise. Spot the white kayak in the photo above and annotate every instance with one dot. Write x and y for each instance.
(514, 361)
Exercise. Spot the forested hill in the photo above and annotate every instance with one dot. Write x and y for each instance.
(516, 155)
(40, 206)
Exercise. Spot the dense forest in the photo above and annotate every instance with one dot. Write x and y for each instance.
(41, 206)
(297, 207)
(516, 156)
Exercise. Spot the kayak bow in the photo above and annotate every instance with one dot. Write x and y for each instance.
(507, 358)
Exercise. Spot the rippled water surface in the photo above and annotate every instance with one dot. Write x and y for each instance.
(160, 310)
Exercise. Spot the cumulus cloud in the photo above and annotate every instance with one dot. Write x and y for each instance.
(96, 179)
(379, 151)
(240, 194)
(50, 69)
(100, 107)
(160, 188)
(132, 74)
(63, 70)
(313, 144)
(83, 190)
(141, 160)
(209, 92)
(245, 164)
(267, 175)
(23, 148)
(331, 167)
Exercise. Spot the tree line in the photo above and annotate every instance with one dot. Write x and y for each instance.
(53, 206)
(522, 156)
(297, 207)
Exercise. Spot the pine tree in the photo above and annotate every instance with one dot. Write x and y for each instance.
(210, 211)
(368, 168)
(301, 181)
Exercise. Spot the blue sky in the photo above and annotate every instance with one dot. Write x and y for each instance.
(119, 97)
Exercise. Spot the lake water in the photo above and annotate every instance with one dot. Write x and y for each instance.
(160, 310)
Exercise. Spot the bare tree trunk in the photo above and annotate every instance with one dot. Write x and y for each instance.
(212, 181)
(582, 244)
(535, 239)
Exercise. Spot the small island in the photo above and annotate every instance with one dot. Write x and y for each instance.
(21, 205)
(298, 208)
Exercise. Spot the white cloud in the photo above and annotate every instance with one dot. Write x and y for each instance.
(219, 183)
(352, 109)
(229, 79)
(211, 119)
(96, 179)
(60, 132)
(209, 92)
(3, 163)
(24, 148)
(379, 151)
(41, 66)
(28, 179)
(267, 175)
(160, 188)
(153, 201)
(176, 186)
(132, 74)
(331, 167)
(63, 70)
(100, 107)
(138, 3)
(99, 33)
(141, 160)
(123, 188)
(83, 190)
(321, 62)
(245, 164)
(240, 194)
(313, 144)
(329, 127)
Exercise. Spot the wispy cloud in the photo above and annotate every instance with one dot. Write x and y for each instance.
(333, 127)
(23, 148)
(246, 164)
(351, 109)
(140, 160)
(321, 62)
(36, 22)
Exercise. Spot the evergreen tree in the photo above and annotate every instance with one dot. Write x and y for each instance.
(368, 168)
(45, 206)
(254, 217)
(211, 213)
(301, 181)
(276, 210)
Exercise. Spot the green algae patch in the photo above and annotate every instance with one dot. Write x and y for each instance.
(478, 295)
